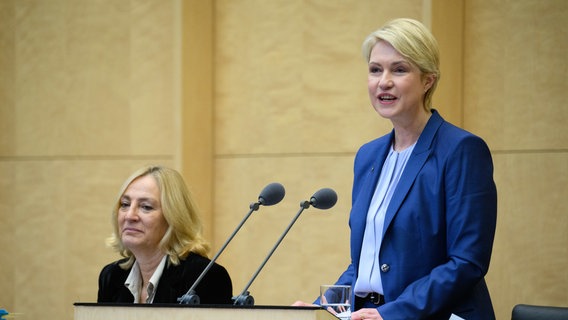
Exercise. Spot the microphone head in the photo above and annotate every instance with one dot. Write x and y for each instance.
(271, 194)
(324, 199)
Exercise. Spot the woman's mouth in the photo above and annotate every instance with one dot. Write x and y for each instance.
(385, 97)
(131, 230)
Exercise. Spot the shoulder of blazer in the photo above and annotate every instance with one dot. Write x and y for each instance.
(190, 268)
(112, 271)
(376, 144)
(444, 134)
(111, 283)
(368, 153)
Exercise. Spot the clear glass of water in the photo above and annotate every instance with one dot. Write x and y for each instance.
(337, 300)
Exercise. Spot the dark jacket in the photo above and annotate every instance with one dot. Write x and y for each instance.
(214, 288)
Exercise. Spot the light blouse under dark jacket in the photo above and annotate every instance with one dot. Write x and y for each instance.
(214, 288)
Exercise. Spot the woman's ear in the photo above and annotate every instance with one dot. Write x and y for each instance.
(429, 80)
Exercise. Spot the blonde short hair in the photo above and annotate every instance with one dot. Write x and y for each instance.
(184, 233)
(413, 41)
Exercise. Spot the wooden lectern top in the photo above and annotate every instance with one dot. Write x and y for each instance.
(110, 311)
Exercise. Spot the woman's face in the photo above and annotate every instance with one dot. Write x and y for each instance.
(140, 220)
(396, 86)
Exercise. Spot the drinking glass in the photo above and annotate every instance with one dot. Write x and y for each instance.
(337, 300)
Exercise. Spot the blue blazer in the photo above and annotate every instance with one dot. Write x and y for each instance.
(439, 226)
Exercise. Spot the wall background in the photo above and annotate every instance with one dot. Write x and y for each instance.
(240, 93)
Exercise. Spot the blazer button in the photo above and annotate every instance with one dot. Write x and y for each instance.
(385, 267)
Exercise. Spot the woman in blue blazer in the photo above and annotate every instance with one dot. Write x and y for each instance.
(424, 203)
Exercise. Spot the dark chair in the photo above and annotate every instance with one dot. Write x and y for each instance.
(531, 312)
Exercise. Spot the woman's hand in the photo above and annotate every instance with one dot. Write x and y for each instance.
(303, 304)
(367, 313)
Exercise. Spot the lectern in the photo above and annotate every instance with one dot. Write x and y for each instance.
(105, 311)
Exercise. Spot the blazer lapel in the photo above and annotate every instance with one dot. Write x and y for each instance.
(419, 156)
(167, 288)
(367, 189)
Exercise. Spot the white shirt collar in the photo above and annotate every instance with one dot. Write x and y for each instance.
(134, 281)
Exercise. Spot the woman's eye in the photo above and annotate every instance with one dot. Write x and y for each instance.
(374, 69)
(124, 205)
(147, 208)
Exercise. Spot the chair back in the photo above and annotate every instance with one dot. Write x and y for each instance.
(533, 312)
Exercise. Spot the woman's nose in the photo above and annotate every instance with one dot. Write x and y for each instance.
(132, 213)
(385, 81)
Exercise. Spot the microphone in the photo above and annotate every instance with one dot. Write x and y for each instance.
(270, 195)
(323, 199)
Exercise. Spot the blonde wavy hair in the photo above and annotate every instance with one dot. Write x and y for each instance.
(184, 233)
(413, 41)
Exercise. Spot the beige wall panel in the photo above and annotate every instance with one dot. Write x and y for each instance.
(316, 249)
(96, 72)
(515, 73)
(86, 97)
(447, 27)
(196, 107)
(530, 254)
(7, 223)
(514, 97)
(7, 88)
(289, 75)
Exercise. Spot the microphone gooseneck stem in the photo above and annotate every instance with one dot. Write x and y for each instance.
(253, 207)
(240, 298)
